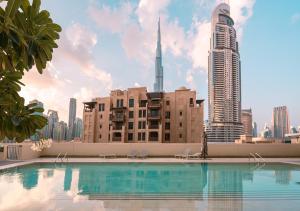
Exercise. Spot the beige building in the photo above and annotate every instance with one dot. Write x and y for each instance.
(135, 115)
(247, 122)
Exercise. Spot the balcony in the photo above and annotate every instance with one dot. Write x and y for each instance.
(153, 126)
(118, 118)
(154, 104)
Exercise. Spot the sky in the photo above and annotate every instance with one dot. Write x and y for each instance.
(108, 45)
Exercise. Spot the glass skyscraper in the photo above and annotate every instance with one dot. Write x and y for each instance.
(224, 79)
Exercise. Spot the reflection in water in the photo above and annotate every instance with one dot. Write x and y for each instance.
(68, 178)
(143, 179)
(225, 184)
(283, 177)
(29, 177)
(213, 187)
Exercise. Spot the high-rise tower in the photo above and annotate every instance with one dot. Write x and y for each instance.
(72, 117)
(159, 71)
(280, 122)
(224, 79)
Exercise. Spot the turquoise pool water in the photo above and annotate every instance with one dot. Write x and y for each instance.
(190, 186)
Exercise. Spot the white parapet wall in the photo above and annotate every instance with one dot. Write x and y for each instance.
(170, 149)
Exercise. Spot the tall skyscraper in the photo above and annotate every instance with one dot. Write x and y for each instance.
(72, 117)
(280, 122)
(254, 129)
(247, 122)
(52, 120)
(159, 72)
(78, 128)
(39, 104)
(224, 79)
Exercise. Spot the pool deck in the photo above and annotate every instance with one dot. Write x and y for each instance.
(12, 164)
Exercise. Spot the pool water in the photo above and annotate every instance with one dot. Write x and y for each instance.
(150, 186)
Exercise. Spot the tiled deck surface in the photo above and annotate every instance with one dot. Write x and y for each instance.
(10, 164)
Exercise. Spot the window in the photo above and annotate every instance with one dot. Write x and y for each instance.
(143, 103)
(142, 125)
(131, 114)
(180, 113)
(140, 113)
(101, 106)
(130, 136)
(100, 136)
(100, 126)
(130, 125)
(191, 101)
(144, 113)
(167, 102)
(167, 137)
(143, 136)
(180, 124)
(100, 116)
(120, 103)
(131, 103)
(167, 126)
(180, 135)
(168, 114)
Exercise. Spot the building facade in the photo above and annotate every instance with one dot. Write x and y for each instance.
(247, 122)
(224, 79)
(72, 117)
(280, 122)
(254, 129)
(159, 71)
(78, 128)
(36, 136)
(135, 115)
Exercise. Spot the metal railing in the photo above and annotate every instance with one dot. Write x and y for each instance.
(257, 157)
(62, 158)
(57, 157)
(253, 156)
(260, 157)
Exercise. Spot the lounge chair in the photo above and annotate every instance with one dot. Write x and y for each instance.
(132, 154)
(185, 154)
(108, 155)
(196, 155)
(143, 154)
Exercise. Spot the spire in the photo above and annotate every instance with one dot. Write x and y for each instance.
(158, 46)
(158, 84)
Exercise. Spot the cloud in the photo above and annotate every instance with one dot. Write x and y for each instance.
(72, 68)
(240, 11)
(113, 20)
(295, 18)
(77, 45)
(200, 43)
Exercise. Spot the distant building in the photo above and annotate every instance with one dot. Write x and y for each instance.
(39, 104)
(247, 122)
(135, 115)
(60, 131)
(293, 130)
(254, 129)
(266, 132)
(72, 117)
(52, 120)
(159, 71)
(224, 79)
(78, 128)
(280, 122)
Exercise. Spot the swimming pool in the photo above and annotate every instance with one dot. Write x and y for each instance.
(102, 186)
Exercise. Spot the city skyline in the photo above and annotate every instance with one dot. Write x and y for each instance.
(181, 28)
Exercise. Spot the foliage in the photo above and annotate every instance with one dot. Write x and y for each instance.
(27, 39)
